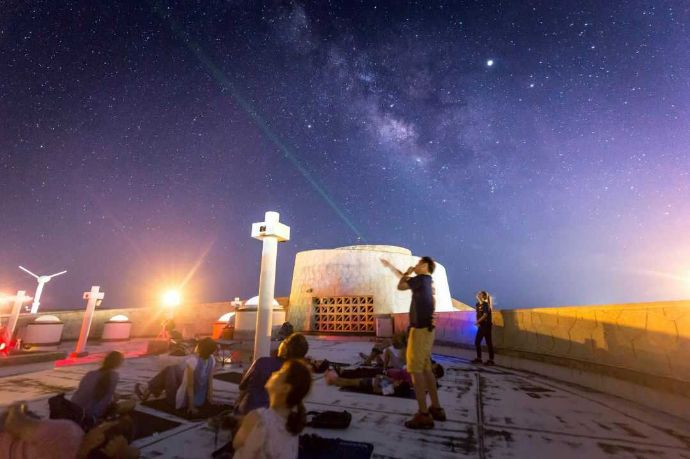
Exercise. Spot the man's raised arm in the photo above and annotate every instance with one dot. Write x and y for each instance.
(404, 276)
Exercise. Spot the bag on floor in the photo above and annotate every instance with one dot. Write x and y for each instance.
(329, 419)
(61, 408)
(313, 446)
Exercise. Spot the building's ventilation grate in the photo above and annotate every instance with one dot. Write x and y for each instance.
(344, 314)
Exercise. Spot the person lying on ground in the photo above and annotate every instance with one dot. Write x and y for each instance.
(188, 385)
(23, 437)
(252, 387)
(390, 382)
(273, 432)
(394, 381)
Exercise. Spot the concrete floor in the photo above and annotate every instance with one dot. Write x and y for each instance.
(493, 412)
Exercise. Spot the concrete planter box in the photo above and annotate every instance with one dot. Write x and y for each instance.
(43, 333)
(116, 331)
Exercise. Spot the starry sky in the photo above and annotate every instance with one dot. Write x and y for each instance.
(539, 150)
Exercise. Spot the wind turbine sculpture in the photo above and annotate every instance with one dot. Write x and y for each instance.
(42, 280)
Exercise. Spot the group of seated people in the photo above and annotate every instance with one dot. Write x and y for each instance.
(94, 425)
(267, 417)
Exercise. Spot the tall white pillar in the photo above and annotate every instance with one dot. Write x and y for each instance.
(37, 297)
(270, 231)
(92, 298)
(14, 315)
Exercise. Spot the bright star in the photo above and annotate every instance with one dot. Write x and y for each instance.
(490, 63)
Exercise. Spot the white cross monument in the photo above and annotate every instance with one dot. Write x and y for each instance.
(237, 303)
(19, 299)
(93, 297)
(270, 232)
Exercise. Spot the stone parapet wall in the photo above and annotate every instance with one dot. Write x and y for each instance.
(645, 342)
(191, 319)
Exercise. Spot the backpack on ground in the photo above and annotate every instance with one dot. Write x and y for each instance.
(62, 408)
(329, 419)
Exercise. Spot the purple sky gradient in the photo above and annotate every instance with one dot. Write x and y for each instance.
(141, 139)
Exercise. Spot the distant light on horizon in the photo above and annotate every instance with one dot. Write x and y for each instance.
(172, 298)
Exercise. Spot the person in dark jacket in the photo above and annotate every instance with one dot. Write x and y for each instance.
(484, 323)
(96, 391)
(252, 387)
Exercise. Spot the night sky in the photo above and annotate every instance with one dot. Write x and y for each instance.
(538, 149)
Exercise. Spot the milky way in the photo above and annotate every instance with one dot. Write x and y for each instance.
(539, 150)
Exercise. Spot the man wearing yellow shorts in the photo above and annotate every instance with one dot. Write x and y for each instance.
(420, 341)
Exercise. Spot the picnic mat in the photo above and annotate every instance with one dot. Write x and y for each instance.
(231, 377)
(146, 424)
(408, 394)
(204, 412)
(361, 372)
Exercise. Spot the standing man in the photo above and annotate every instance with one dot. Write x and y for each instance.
(420, 341)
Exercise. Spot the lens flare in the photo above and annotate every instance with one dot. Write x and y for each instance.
(172, 298)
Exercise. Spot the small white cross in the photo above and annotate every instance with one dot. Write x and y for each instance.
(19, 299)
(94, 297)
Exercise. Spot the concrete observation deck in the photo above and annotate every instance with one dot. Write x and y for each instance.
(493, 412)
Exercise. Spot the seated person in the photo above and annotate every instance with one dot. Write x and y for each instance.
(394, 381)
(170, 331)
(273, 431)
(252, 387)
(374, 358)
(188, 385)
(394, 355)
(23, 437)
(285, 330)
(96, 391)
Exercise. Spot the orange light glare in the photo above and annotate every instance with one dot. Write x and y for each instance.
(172, 298)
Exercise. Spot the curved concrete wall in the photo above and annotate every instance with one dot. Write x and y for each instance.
(631, 340)
(356, 271)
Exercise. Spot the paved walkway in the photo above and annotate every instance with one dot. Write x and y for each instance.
(493, 412)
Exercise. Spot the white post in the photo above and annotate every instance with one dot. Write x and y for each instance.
(93, 297)
(270, 232)
(237, 303)
(37, 297)
(14, 315)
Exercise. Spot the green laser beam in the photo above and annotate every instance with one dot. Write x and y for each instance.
(222, 79)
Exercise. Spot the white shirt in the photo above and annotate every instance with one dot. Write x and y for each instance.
(397, 359)
(269, 439)
(191, 362)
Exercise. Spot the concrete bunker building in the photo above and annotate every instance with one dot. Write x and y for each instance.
(341, 290)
